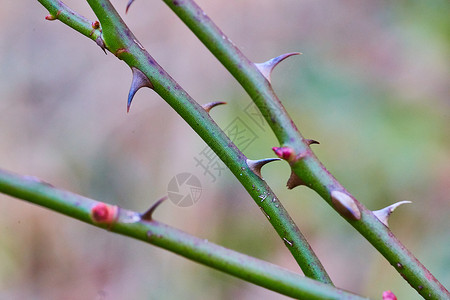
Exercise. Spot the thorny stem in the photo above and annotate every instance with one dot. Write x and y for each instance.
(59, 11)
(303, 161)
(129, 223)
(120, 41)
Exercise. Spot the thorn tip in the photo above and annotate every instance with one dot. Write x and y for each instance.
(147, 216)
(267, 67)
(211, 105)
(128, 5)
(345, 205)
(384, 213)
(256, 165)
(310, 142)
(139, 81)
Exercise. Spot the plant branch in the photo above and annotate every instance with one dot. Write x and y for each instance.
(59, 11)
(130, 223)
(120, 41)
(307, 168)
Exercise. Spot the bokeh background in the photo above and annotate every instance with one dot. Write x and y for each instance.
(372, 86)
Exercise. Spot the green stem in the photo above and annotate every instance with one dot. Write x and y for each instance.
(303, 162)
(130, 224)
(119, 40)
(59, 11)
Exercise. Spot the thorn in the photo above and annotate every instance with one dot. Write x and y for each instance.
(283, 152)
(256, 165)
(294, 181)
(345, 205)
(147, 216)
(128, 5)
(310, 142)
(210, 105)
(101, 43)
(383, 214)
(267, 67)
(139, 81)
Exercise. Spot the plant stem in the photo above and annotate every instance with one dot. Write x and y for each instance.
(303, 161)
(129, 223)
(59, 11)
(120, 41)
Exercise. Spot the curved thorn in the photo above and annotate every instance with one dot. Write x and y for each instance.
(139, 81)
(147, 216)
(267, 67)
(128, 5)
(294, 181)
(310, 142)
(383, 214)
(345, 205)
(256, 165)
(101, 43)
(210, 105)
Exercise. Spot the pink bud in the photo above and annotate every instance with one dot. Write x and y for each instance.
(50, 18)
(103, 213)
(96, 24)
(283, 152)
(388, 295)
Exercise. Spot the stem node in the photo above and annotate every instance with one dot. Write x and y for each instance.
(106, 214)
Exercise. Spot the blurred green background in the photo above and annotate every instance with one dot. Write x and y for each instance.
(372, 86)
